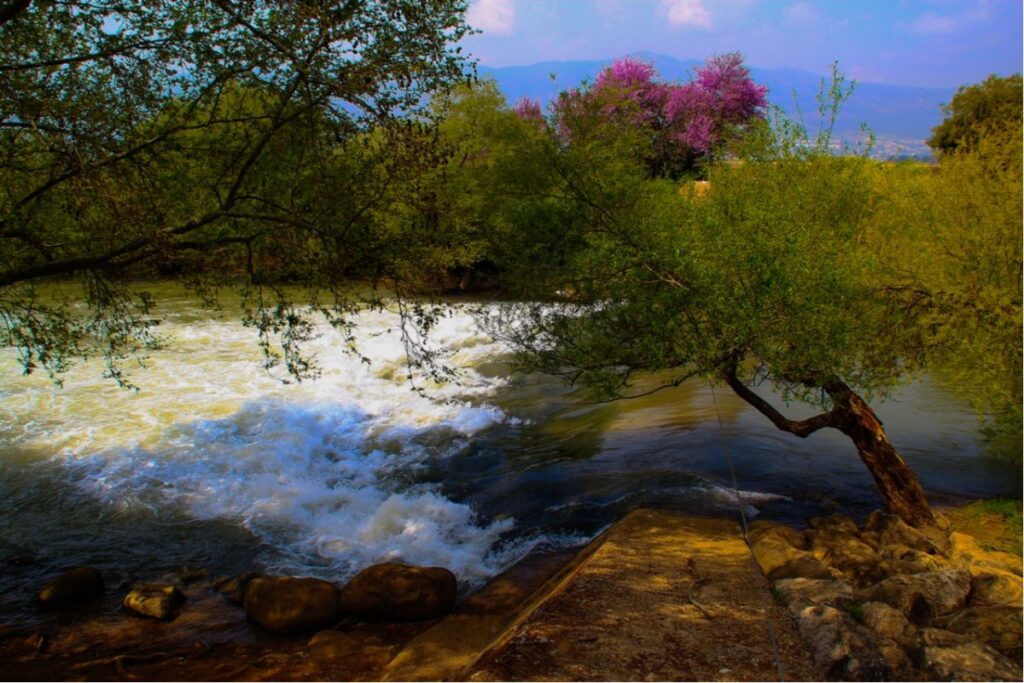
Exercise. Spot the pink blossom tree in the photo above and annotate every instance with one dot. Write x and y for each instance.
(679, 124)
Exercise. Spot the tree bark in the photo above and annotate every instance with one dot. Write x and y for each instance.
(899, 486)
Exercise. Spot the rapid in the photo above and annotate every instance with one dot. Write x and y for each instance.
(215, 463)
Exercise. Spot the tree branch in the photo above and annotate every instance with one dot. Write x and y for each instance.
(801, 428)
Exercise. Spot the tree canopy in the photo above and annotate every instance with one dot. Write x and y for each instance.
(146, 132)
(787, 276)
(994, 106)
(678, 124)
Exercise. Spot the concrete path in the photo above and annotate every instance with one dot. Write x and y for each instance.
(657, 597)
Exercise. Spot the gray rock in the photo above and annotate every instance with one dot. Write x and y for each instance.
(997, 627)
(233, 587)
(399, 592)
(923, 597)
(156, 601)
(800, 593)
(887, 622)
(74, 584)
(834, 524)
(968, 662)
(894, 531)
(284, 604)
(996, 588)
(840, 647)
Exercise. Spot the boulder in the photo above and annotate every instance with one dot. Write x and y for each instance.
(887, 622)
(896, 658)
(157, 601)
(800, 593)
(894, 531)
(284, 604)
(997, 627)
(993, 587)
(839, 646)
(936, 637)
(834, 524)
(778, 550)
(399, 592)
(233, 587)
(850, 556)
(968, 662)
(74, 584)
(923, 597)
(760, 528)
(804, 566)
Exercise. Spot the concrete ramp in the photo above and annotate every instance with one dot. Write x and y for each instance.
(656, 597)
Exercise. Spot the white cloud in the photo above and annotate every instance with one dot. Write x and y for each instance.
(802, 13)
(686, 13)
(492, 16)
(930, 22)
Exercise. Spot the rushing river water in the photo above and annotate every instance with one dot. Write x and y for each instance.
(214, 463)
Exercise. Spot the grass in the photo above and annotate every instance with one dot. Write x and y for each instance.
(995, 522)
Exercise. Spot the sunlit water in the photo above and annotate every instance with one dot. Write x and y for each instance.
(215, 463)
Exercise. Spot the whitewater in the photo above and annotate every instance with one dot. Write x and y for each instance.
(326, 469)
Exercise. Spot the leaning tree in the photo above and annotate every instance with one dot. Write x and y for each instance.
(770, 280)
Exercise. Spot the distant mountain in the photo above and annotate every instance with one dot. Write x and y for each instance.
(901, 116)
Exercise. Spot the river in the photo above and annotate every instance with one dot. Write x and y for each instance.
(213, 463)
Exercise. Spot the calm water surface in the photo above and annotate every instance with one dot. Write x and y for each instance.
(216, 464)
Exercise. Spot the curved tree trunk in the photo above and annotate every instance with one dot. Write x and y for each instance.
(900, 488)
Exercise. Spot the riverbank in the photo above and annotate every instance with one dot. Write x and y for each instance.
(656, 597)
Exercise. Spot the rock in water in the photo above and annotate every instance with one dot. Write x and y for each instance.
(399, 592)
(285, 604)
(233, 587)
(74, 584)
(157, 601)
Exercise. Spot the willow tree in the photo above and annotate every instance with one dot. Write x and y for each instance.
(252, 132)
(767, 281)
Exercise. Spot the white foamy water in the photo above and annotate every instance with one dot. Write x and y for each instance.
(329, 472)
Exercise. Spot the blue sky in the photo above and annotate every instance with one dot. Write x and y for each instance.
(905, 42)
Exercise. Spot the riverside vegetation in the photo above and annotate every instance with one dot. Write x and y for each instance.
(256, 144)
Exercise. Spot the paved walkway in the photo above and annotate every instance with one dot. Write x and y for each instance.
(658, 597)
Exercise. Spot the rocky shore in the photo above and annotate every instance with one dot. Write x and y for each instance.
(657, 597)
(881, 602)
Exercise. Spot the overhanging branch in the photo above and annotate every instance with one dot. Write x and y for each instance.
(801, 428)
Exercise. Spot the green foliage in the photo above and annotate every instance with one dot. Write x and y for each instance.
(249, 141)
(976, 111)
(948, 241)
(796, 267)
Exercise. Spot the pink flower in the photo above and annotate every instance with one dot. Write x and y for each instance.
(529, 109)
